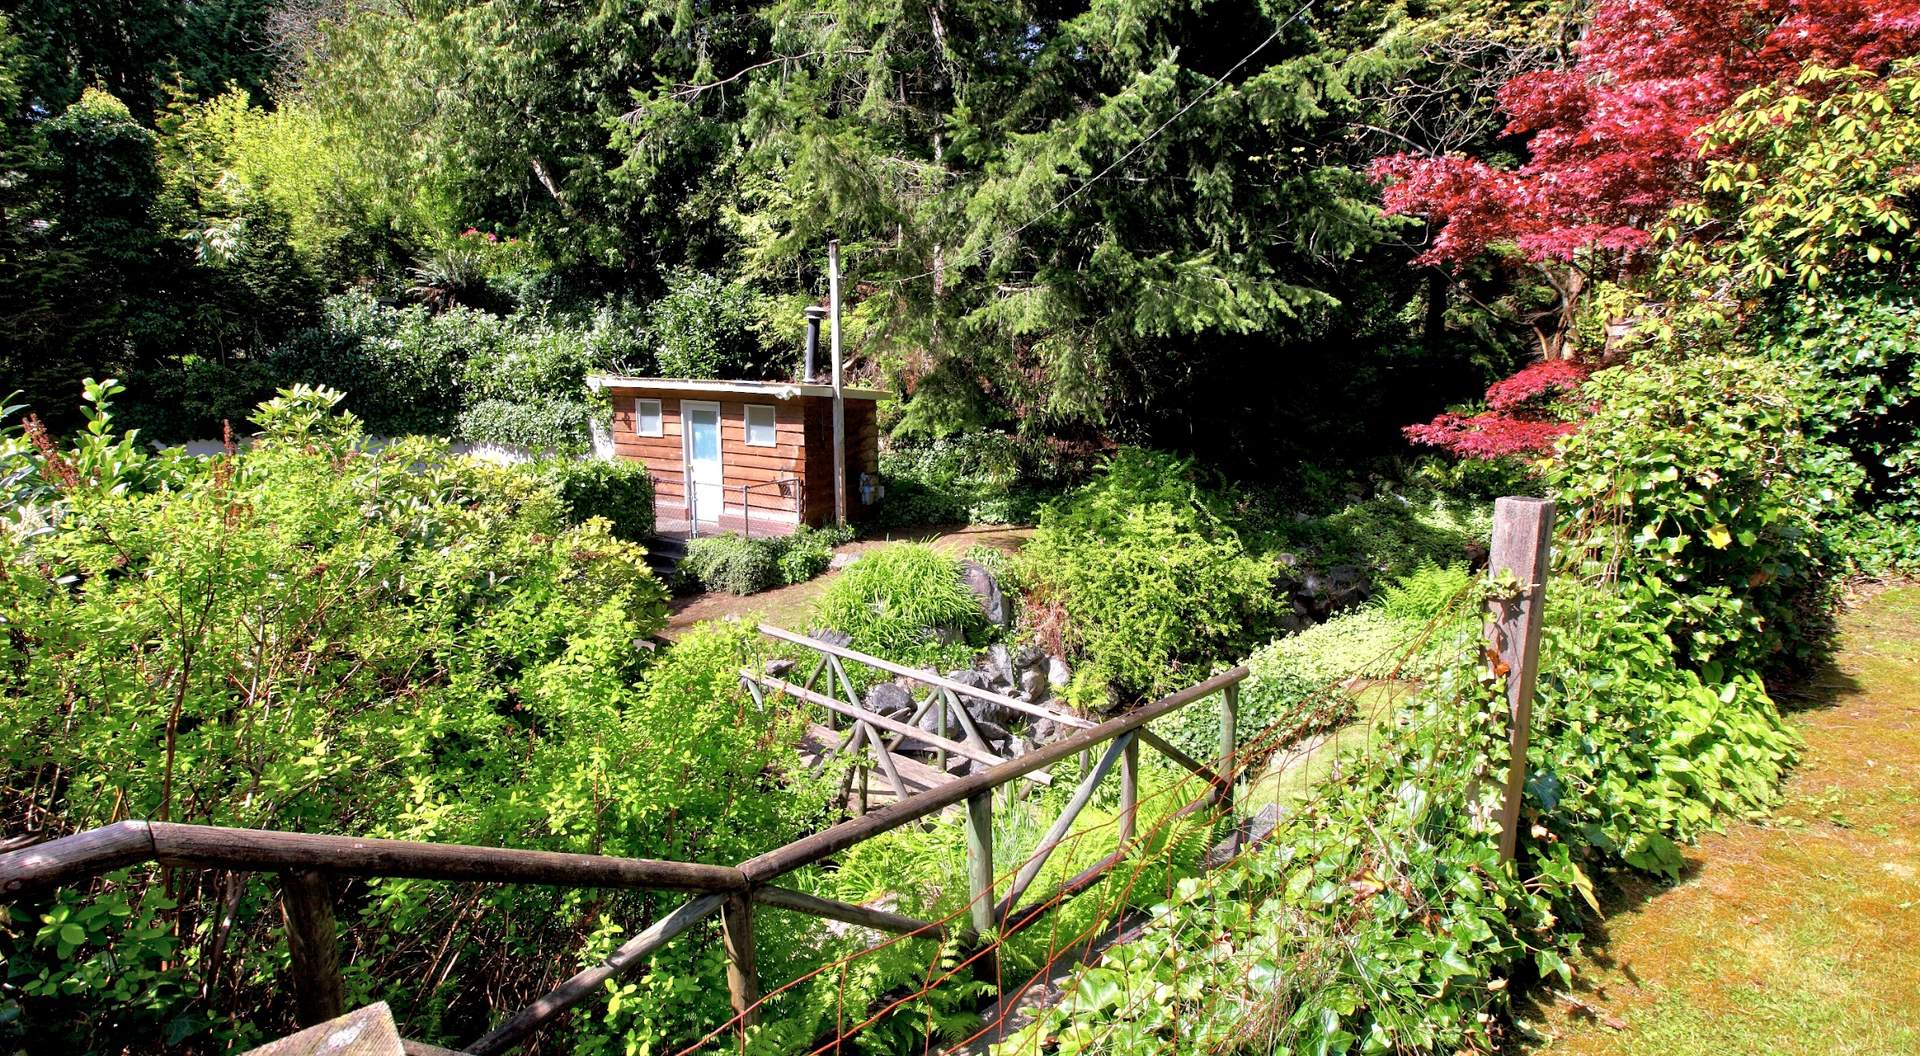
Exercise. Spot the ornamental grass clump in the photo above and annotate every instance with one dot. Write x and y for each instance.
(906, 603)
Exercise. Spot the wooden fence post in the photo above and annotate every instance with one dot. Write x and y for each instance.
(1129, 790)
(306, 904)
(1522, 537)
(743, 977)
(1229, 747)
(980, 860)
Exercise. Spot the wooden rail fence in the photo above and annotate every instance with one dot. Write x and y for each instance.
(306, 862)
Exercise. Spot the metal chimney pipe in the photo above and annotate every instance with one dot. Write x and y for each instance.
(815, 314)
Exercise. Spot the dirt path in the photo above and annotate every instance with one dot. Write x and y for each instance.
(1800, 935)
(790, 606)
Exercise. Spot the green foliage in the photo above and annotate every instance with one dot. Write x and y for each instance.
(1805, 182)
(899, 601)
(1690, 484)
(808, 551)
(1428, 592)
(326, 635)
(1853, 367)
(617, 489)
(1390, 534)
(463, 373)
(977, 477)
(1140, 575)
(748, 566)
(1299, 681)
(1378, 918)
(730, 563)
(707, 327)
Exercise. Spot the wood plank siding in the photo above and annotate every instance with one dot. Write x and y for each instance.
(803, 449)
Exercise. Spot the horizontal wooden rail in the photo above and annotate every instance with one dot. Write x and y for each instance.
(127, 843)
(930, 678)
(727, 890)
(828, 842)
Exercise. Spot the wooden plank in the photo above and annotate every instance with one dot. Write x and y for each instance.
(911, 733)
(847, 913)
(365, 1031)
(1522, 544)
(927, 677)
(631, 954)
(313, 946)
(826, 843)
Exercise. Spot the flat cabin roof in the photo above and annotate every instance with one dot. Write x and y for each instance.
(778, 390)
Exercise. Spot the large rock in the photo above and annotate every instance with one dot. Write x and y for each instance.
(1030, 656)
(979, 709)
(1321, 594)
(889, 698)
(1033, 683)
(1059, 675)
(986, 591)
(998, 665)
(842, 560)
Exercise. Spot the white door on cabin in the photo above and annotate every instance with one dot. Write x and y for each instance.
(703, 458)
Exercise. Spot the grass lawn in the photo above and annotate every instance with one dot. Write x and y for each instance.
(1795, 937)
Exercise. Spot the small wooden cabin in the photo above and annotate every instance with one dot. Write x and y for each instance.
(744, 456)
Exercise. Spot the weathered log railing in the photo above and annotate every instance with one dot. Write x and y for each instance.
(305, 861)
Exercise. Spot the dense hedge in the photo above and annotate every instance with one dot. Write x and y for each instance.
(744, 566)
(618, 489)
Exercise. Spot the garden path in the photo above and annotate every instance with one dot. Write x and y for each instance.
(790, 606)
(1796, 936)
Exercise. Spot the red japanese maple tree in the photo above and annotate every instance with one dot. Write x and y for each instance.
(1613, 146)
(1525, 414)
(1613, 138)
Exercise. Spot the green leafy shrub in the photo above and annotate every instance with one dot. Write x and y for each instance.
(1378, 917)
(709, 327)
(327, 635)
(978, 477)
(1390, 534)
(748, 566)
(1302, 675)
(731, 563)
(1691, 484)
(1854, 365)
(808, 551)
(896, 601)
(1139, 575)
(618, 489)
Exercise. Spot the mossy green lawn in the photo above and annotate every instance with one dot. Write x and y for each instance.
(1796, 936)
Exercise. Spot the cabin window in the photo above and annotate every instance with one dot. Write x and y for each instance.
(760, 425)
(646, 418)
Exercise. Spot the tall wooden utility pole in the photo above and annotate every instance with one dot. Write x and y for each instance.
(839, 399)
